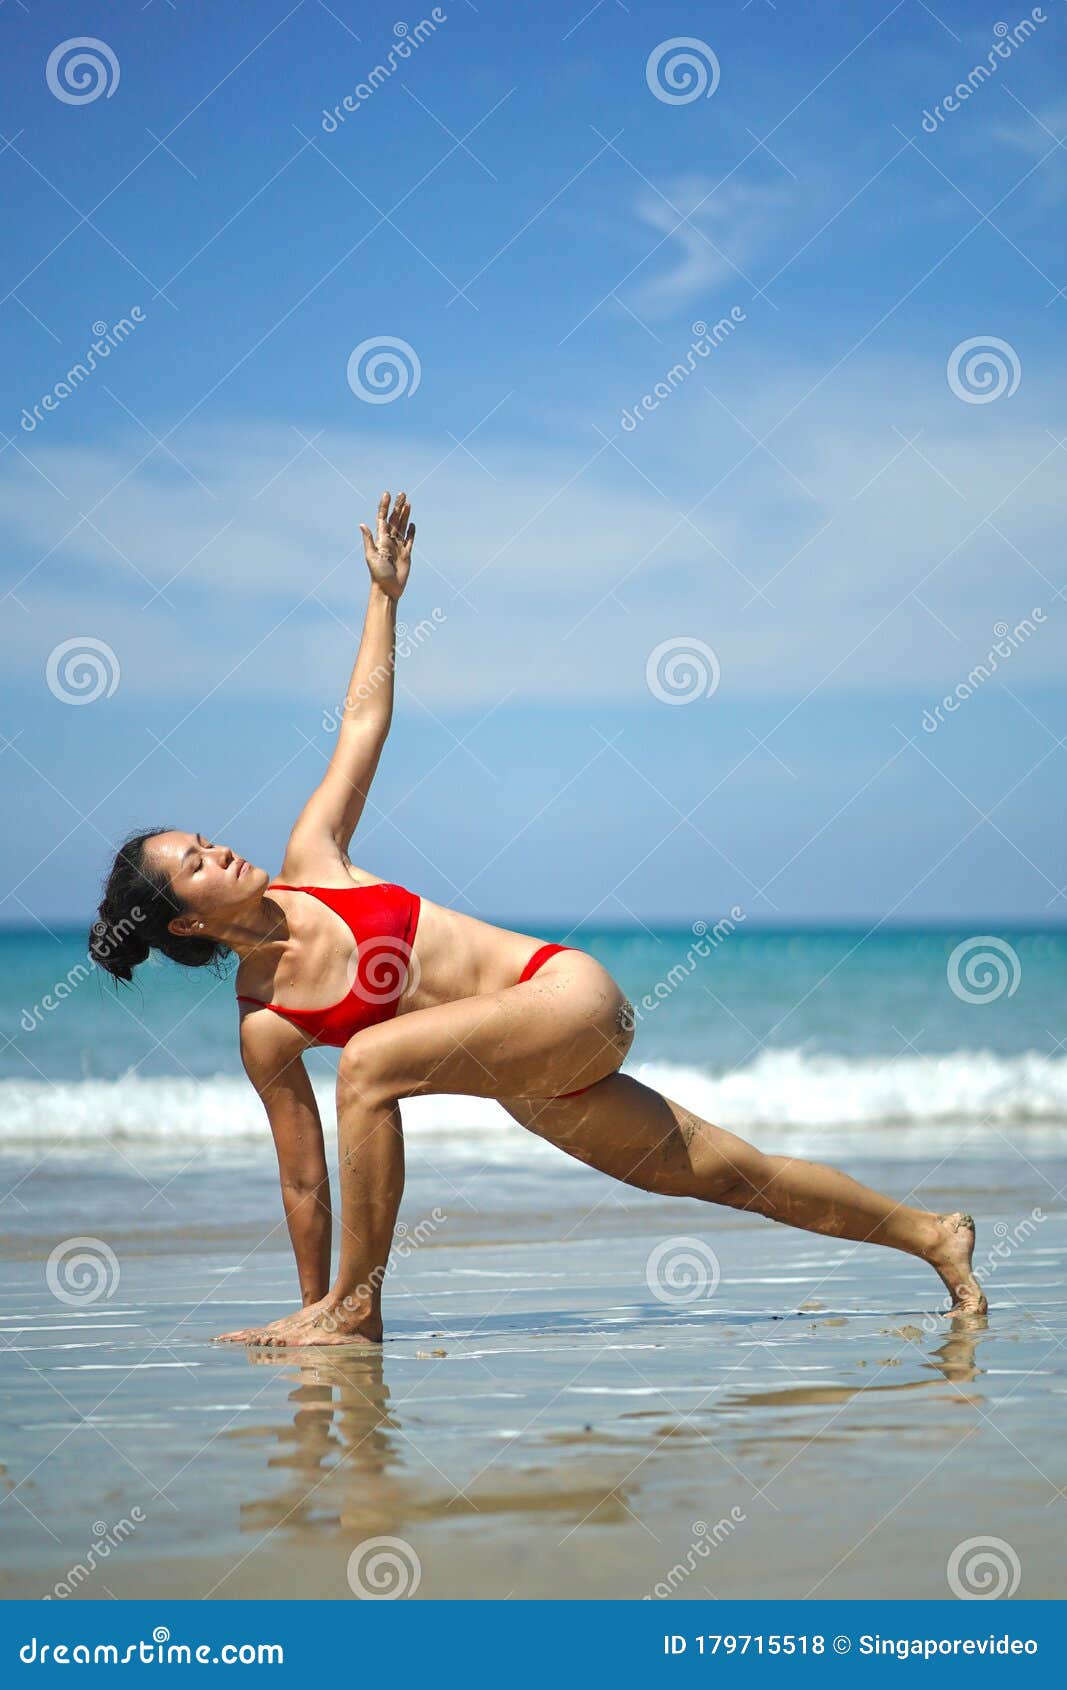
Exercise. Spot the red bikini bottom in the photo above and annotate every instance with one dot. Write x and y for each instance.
(537, 961)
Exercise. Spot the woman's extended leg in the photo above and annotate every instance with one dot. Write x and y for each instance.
(636, 1135)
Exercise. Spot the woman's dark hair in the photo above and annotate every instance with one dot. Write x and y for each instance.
(132, 919)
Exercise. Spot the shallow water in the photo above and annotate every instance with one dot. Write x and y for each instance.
(580, 1436)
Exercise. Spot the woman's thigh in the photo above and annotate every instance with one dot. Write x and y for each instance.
(567, 1027)
(635, 1134)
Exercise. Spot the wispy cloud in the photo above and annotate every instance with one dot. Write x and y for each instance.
(853, 551)
(709, 237)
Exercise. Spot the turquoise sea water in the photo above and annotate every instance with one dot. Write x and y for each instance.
(834, 1028)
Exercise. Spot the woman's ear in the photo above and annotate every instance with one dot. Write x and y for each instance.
(185, 926)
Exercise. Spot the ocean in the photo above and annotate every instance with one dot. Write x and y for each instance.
(545, 1417)
(811, 1032)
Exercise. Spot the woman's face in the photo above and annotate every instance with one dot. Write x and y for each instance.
(212, 881)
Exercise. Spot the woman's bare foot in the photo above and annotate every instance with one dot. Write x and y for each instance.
(329, 1321)
(950, 1257)
(276, 1328)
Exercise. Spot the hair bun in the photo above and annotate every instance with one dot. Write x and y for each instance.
(113, 948)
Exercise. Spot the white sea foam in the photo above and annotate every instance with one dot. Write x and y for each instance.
(783, 1092)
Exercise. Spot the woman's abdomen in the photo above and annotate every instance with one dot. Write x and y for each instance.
(460, 956)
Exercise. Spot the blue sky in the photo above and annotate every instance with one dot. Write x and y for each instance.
(814, 501)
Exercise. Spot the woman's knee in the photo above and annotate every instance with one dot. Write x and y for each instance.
(365, 1072)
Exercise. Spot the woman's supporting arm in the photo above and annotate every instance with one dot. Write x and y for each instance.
(334, 808)
(293, 1113)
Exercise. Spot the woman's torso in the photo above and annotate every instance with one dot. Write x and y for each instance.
(452, 955)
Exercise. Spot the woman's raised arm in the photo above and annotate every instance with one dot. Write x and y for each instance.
(334, 808)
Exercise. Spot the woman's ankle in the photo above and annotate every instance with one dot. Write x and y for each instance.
(356, 1311)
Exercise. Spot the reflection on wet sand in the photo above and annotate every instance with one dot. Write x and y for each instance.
(955, 1360)
(341, 1449)
(351, 1462)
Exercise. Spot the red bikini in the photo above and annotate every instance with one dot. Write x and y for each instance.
(383, 924)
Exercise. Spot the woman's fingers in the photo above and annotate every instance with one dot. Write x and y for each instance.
(383, 516)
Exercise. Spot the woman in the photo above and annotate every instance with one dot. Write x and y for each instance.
(422, 999)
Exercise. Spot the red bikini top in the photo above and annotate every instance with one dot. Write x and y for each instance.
(383, 920)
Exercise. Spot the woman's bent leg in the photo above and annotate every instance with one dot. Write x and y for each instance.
(636, 1135)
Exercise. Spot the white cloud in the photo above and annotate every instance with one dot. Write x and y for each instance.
(557, 572)
(726, 228)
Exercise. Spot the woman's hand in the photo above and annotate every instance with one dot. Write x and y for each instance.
(389, 556)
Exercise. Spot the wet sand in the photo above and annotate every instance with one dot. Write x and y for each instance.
(810, 1428)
